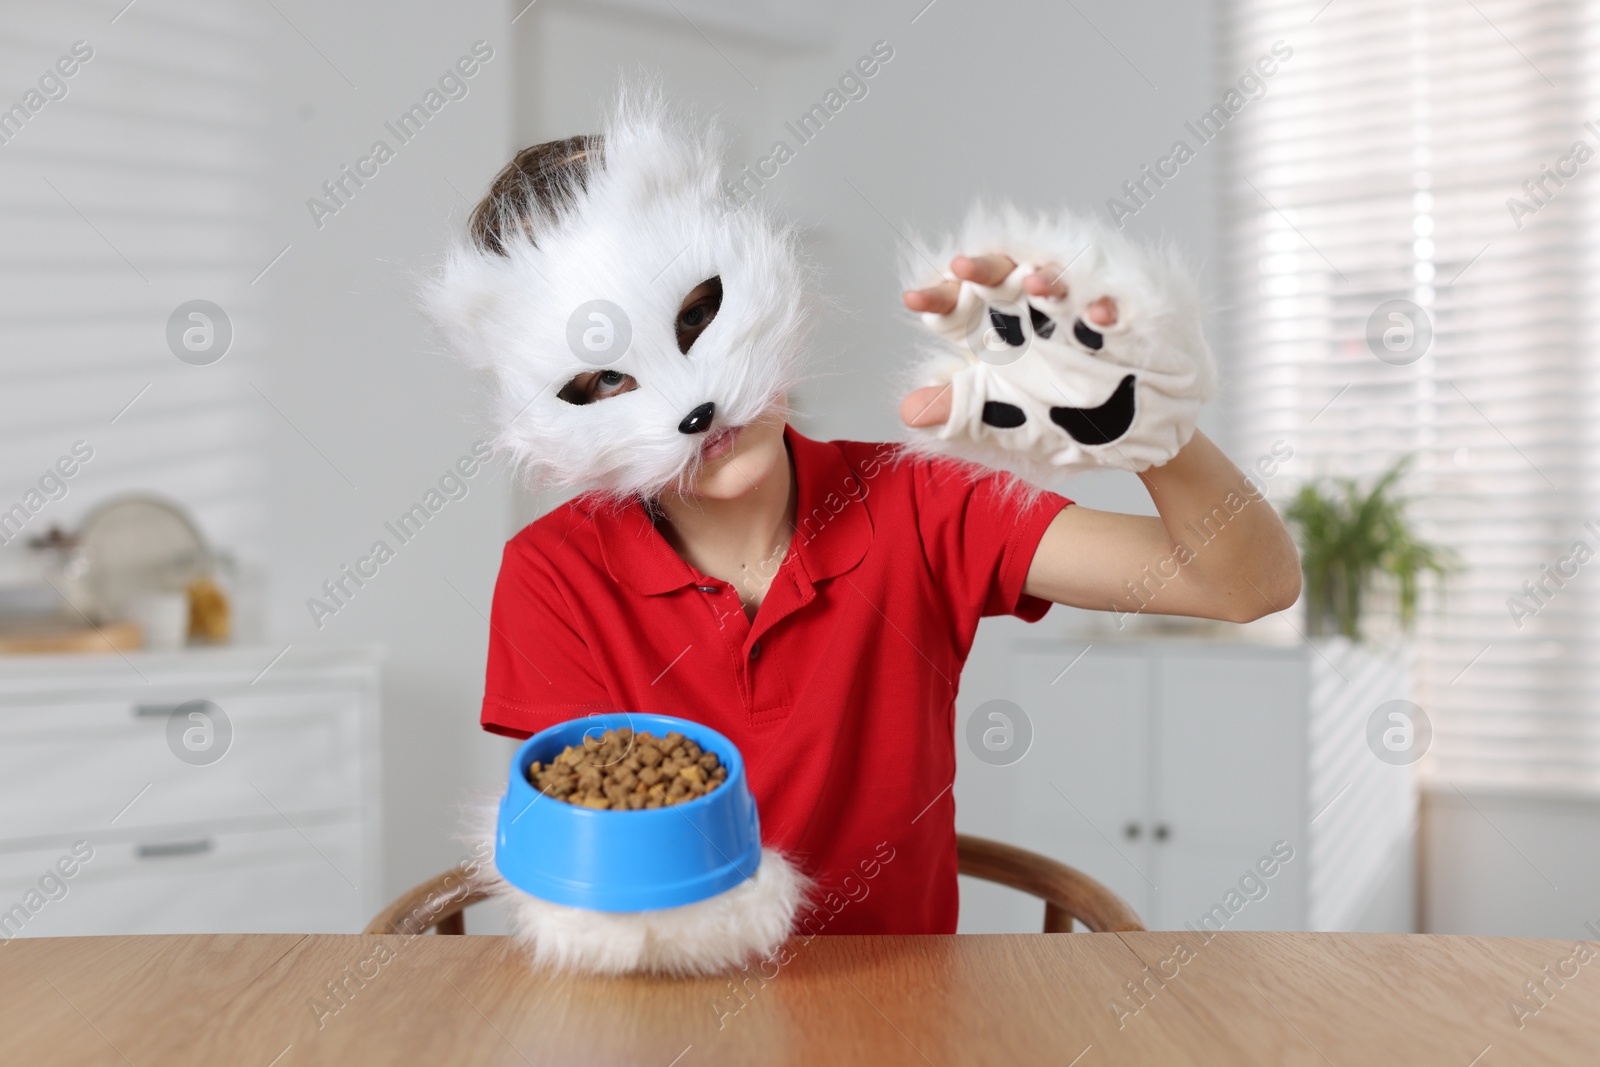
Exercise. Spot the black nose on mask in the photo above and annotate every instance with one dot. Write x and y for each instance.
(698, 420)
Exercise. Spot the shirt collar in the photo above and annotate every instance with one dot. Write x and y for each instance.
(832, 527)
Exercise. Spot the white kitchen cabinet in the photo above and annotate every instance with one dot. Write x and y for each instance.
(1176, 769)
(261, 815)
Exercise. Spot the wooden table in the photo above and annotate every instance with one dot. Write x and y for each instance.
(1242, 998)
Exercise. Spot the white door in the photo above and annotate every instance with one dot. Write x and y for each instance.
(1084, 787)
(1229, 786)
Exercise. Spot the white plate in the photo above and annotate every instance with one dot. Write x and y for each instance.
(137, 544)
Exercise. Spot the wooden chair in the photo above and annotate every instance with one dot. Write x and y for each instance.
(1068, 894)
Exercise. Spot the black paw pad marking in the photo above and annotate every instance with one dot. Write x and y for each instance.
(1086, 337)
(1097, 425)
(1043, 325)
(1009, 327)
(1005, 416)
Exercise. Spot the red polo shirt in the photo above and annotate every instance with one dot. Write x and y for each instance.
(841, 693)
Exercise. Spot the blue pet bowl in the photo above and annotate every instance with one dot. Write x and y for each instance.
(607, 860)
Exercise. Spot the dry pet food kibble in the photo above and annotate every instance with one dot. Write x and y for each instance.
(625, 771)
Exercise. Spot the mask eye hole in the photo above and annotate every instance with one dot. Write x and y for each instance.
(699, 308)
(594, 385)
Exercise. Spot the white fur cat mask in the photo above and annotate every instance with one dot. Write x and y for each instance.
(1035, 386)
(597, 285)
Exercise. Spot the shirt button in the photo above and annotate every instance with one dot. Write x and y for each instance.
(709, 588)
(755, 651)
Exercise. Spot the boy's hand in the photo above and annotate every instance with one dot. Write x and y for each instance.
(1064, 346)
(931, 406)
(1045, 370)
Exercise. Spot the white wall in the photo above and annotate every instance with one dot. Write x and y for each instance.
(1510, 864)
(364, 396)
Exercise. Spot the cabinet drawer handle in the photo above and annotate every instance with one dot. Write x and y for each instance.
(1132, 831)
(154, 711)
(173, 848)
(1162, 832)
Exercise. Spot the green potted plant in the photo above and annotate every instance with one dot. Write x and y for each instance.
(1350, 536)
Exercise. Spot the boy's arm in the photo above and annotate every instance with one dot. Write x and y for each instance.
(1218, 549)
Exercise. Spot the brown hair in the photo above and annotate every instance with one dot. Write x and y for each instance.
(541, 180)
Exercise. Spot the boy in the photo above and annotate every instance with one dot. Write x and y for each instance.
(813, 601)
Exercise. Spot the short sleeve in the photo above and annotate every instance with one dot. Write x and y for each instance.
(979, 530)
(540, 670)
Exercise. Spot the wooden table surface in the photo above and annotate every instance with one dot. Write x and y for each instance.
(1242, 998)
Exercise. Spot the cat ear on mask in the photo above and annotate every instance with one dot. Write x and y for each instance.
(463, 301)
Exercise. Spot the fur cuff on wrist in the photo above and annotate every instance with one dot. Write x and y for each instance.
(707, 937)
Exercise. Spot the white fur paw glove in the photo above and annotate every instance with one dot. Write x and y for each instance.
(1036, 384)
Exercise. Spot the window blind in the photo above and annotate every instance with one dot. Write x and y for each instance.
(1427, 151)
